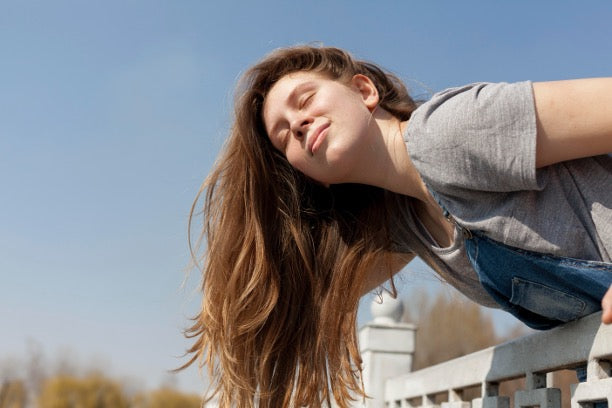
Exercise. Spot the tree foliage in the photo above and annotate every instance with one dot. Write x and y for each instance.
(168, 398)
(448, 327)
(92, 391)
(13, 394)
(97, 391)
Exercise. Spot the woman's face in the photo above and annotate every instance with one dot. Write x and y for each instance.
(321, 125)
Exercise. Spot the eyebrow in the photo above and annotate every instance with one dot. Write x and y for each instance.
(291, 97)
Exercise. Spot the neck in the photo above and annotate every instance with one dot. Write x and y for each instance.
(394, 170)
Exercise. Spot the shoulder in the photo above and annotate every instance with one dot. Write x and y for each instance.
(473, 135)
(470, 107)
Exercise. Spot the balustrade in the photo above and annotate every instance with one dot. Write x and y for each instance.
(387, 348)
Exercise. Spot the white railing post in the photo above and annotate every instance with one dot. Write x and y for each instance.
(598, 386)
(536, 393)
(387, 348)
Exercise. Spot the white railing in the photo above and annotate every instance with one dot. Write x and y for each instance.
(583, 343)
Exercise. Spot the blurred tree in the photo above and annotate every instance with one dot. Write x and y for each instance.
(32, 382)
(35, 366)
(93, 391)
(449, 326)
(13, 394)
(166, 397)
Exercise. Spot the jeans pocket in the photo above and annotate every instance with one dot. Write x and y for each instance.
(546, 301)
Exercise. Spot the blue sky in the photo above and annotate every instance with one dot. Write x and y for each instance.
(112, 113)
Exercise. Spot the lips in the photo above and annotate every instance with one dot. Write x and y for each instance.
(314, 142)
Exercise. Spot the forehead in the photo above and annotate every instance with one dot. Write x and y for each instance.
(289, 81)
(277, 98)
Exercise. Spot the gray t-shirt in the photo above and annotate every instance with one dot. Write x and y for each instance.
(474, 146)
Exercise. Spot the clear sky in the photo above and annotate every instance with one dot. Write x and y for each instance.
(112, 112)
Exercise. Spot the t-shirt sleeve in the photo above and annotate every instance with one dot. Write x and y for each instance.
(477, 137)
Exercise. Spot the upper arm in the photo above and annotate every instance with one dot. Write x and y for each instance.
(574, 119)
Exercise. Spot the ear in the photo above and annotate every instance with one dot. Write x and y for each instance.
(367, 90)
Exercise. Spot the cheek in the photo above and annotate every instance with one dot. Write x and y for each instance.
(295, 157)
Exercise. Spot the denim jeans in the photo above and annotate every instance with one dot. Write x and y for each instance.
(543, 291)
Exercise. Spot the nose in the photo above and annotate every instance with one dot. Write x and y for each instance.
(300, 125)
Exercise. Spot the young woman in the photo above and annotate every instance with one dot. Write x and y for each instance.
(333, 178)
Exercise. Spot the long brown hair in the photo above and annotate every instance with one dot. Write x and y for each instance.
(284, 259)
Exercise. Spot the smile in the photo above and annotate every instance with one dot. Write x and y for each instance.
(317, 138)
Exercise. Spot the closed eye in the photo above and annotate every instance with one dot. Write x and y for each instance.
(304, 102)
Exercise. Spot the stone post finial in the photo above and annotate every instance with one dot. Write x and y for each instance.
(386, 347)
(389, 311)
